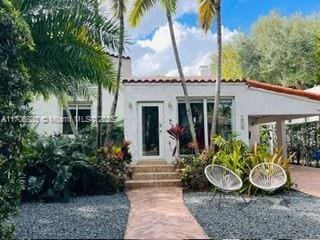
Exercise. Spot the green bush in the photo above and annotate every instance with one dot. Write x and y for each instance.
(117, 133)
(236, 156)
(192, 173)
(14, 91)
(58, 167)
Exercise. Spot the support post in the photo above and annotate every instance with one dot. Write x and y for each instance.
(281, 136)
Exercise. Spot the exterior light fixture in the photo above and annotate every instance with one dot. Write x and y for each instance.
(130, 105)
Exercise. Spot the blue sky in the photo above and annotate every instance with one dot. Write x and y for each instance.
(151, 51)
(241, 14)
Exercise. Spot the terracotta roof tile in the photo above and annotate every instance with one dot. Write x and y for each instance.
(281, 89)
(177, 80)
(116, 56)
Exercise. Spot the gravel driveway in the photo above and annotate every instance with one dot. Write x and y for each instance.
(83, 217)
(264, 217)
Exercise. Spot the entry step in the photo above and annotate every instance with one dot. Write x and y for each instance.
(152, 162)
(155, 175)
(133, 184)
(153, 168)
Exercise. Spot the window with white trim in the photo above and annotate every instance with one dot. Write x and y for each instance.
(81, 114)
(202, 111)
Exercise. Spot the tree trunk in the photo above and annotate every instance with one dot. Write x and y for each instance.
(183, 83)
(99, 114)
(218, 77)
(99, 95)
(116, 95)
(71, 121)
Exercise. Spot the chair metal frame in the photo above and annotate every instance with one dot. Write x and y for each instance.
(268, 179)
(222, 190)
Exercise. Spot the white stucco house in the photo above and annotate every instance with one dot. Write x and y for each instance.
(149, 106)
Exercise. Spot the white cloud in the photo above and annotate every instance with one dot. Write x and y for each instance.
(152, 53)
(154, 18)
(154, 56)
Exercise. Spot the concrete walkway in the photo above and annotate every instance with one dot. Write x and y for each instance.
(160, 213)
(307, 179)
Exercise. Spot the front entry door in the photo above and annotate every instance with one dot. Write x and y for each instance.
(150, 130)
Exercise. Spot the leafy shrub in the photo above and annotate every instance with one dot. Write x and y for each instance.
(14, 89)
(192, 173)
(235, 155)
(117, 134)
(58, 166)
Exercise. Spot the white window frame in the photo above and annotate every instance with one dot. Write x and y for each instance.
(205, 101)
(76, 106)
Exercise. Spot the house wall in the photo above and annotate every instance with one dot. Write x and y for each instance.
(248, 102)
(51, 107)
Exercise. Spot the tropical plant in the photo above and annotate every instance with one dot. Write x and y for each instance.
(140, 7)
(70, 40)
(209, 9)
(15, 38)
(58, 167)
(175, 133)
(66, 50)
(236, 156)
(113, 161)
(231, 153)
(119, 9)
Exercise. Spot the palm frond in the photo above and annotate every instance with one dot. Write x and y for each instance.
(118, 7)
(169, 5)
(66, 48)
(207, 11)
(140, 7)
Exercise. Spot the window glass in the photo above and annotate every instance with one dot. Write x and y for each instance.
(81, 115)
(198, 120)
(66, 128)
(224, 127)
(83, 118)
(150, 131)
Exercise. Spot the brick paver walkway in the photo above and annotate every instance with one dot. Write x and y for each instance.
(160, 213)
(307, 179)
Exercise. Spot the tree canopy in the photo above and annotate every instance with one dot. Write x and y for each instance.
(282, 50)
(231, 65)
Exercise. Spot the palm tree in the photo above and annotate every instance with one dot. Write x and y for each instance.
(140, 7)
(209, 9)
(119, 9)
(99, 89)
(67, 50)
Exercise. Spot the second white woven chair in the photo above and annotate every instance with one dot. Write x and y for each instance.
(268, 177)
(224, 179)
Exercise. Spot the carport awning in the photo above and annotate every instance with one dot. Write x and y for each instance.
(260, 119)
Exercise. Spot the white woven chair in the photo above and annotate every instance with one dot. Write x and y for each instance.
(224, 179)
(268, 177)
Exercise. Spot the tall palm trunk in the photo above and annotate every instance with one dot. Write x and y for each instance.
(99, 114)
(116, 94)
(99, 93)
(183, 82)
(71, 121)
(218, 77)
